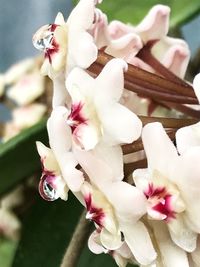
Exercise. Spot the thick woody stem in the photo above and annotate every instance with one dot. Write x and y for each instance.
(77, 243)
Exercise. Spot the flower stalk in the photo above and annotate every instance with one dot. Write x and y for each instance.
(77, 242)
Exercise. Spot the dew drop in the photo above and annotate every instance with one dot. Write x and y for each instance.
(43, 38)
(46, 189)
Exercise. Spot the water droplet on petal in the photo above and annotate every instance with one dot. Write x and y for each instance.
(46, 188)
(43, 38)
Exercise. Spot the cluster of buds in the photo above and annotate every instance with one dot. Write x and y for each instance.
(111, 133)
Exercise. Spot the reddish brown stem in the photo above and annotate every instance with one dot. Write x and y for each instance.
(146, 55)
(146, 89)
(130, 167)
(168, 122)
(135, 72)
(184, 109)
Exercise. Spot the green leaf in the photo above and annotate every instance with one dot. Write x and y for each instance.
(7, 250)
(133, 11)
(47, 230)
(19, 158)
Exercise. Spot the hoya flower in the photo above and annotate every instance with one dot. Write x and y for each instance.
(52, 40)
(9, 224)
(61, 143)
(126, 41)
(173, 53)
(116, 208)
(122, 255)
(10, 130)
(95, 122)
(96, 114)
(27, 116)
(52, 185)
(68, 44)
(170, 184)
(28, 88)
(16, 71)
(189, 136)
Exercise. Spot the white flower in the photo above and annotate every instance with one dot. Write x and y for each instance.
(173, 53)
(27, 116)
(52, 39)
(27, 89)
(68, 44)
(115, 207)
(52, 184)
(16, 71)
(61, 143)
(96, 114)
(170, 184)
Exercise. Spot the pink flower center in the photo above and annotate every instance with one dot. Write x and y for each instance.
(160, 200)
(76, 117)
(95, 214)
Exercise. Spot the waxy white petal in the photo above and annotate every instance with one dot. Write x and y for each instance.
(139, 242)
(110, 241)
(171, 254)
(196, 86)
(155, 25)
(181, 235)
(188, 137)
(187, 176)
(61, 147)
(120, 125)
(159, 149)
(110, 82)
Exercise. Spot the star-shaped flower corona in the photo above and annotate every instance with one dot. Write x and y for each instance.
(170, 185)
(95, 110)
(95, 121)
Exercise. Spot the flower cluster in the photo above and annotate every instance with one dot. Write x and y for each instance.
(152, 220)
(21, 88)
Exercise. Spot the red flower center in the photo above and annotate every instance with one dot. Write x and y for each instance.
(95, 214)
(161, 201)
(76, 117)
